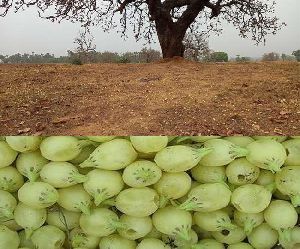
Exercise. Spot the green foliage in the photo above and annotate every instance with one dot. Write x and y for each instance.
(242, 59)
(146, 55)
(76, 61)
(296, 53)
(286, 57)
(2, 58)
(33, 58)
(271, 57)
(218, 57)
(124, 59)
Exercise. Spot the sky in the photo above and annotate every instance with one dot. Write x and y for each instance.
(25, 32)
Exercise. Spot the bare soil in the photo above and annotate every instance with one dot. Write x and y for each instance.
(168, 97)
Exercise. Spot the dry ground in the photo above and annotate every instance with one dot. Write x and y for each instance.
(169, 97)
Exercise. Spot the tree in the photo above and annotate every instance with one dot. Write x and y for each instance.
(2, 59)
(271, 57)
(76, 57)
(149, 55)
(218, 57)
(169, 19)
(297, 54)
(86, 48)
(286, 57)
(196, 47)
(242, 59)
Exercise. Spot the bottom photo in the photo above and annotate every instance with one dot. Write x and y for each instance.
(149, 192)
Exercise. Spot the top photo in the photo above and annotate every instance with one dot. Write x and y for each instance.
(150, 67)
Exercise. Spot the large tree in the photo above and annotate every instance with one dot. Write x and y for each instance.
(169, 19)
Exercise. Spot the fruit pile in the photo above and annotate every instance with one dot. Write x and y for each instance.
(149, 192)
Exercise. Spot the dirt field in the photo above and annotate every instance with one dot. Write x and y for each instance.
(170, 97)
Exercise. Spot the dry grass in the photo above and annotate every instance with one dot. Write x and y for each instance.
(173, 97)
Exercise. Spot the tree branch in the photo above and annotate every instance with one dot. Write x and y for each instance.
(123, 5)
(191, 13)
(171, 4)
(215, 8)
(254, 18)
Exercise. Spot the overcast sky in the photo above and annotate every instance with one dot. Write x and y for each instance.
(24, 32)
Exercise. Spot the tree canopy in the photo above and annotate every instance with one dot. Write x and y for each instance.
(168, 19)
(296, 53)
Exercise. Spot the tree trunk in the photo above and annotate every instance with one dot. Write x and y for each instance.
(171, 40)
(172, 47)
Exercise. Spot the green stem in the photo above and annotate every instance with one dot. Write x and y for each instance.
(174, 203)
(145, 175)
(295, 200)
(285, 236)
(274, 167)
(183, 234)
(163, 201)
(228, 226)
(79, 178)
(84, 208)
(51, 197)
(99, 198)
(65, 223)
(32, 176)
(116, 224)
(2, 220)
(271, 187)
(84, 143)
(190, 205)
(87, 163)
(28, 232)
(239, 151)
(231, 187)
(248, 226)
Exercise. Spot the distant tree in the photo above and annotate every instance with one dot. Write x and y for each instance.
(196, 46)
(74, 58)
(242, 59)
(271, 57)
(297, 54)
(143, 56)
(107, 57)
(148, 55)
(125, 58)
(168, 19)
(32, 58)
(218, 57)
(3, 59)
(286, 57)
(86, 48)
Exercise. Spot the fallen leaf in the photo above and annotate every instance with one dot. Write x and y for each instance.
(25, 130)
(278, 131)
(284, 112)
(40, 126)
